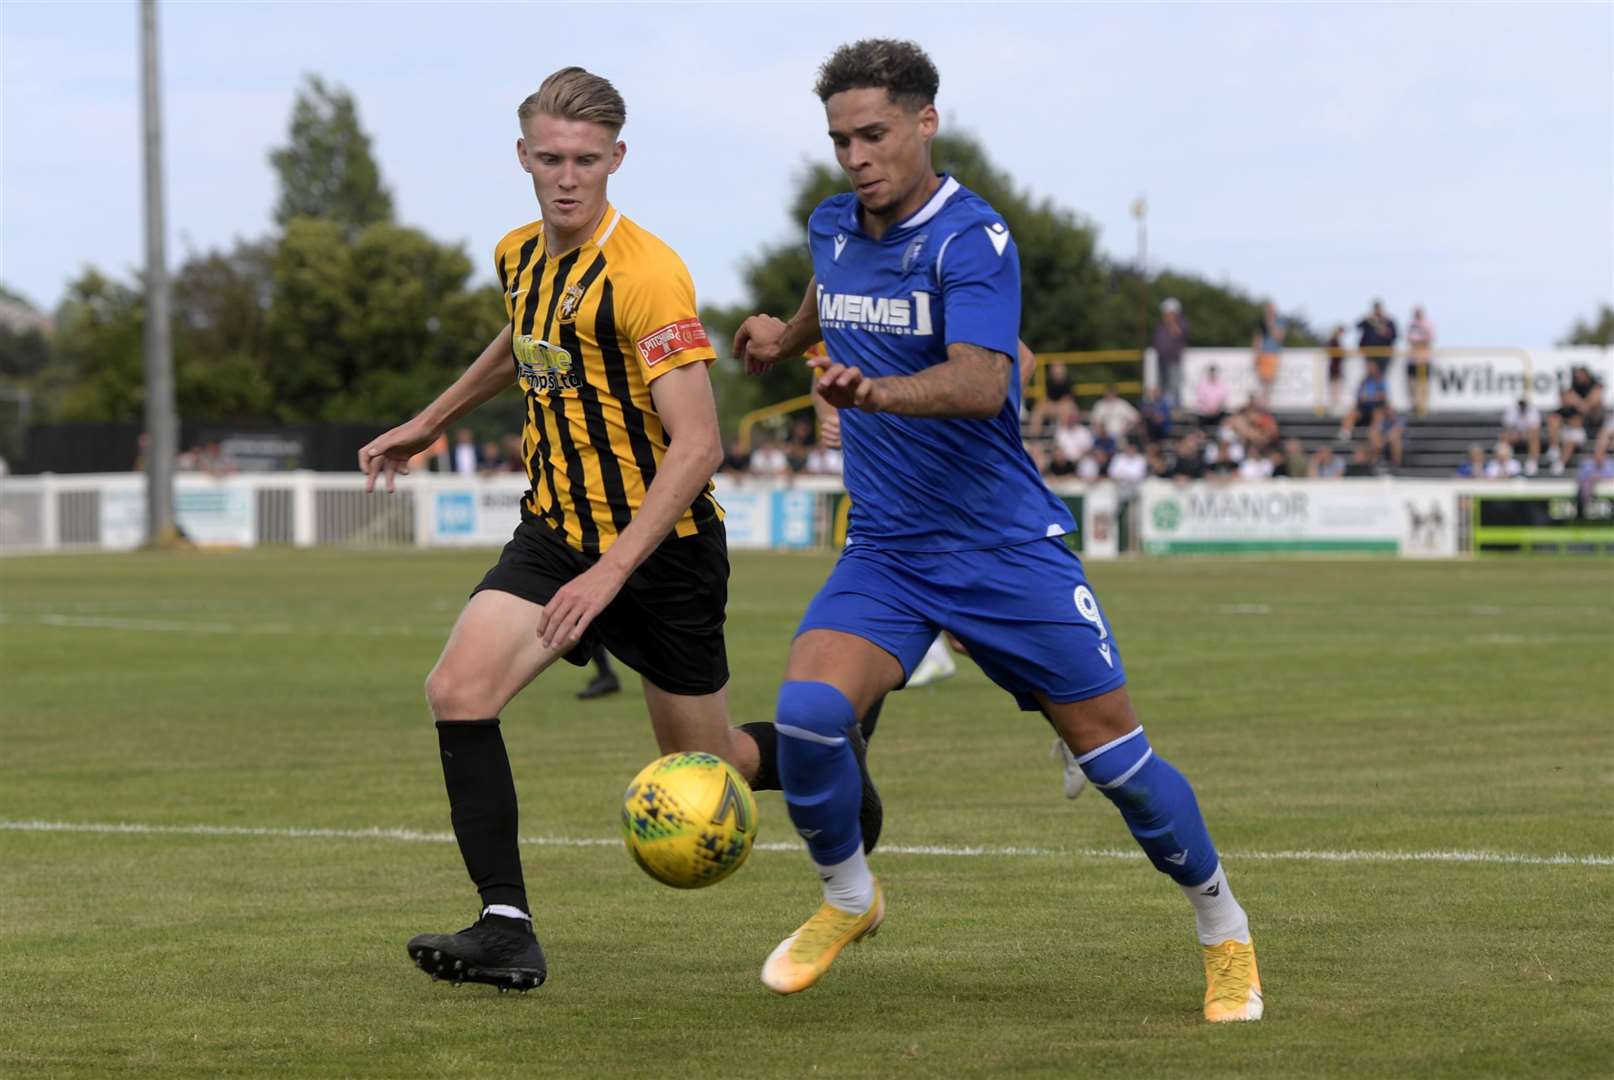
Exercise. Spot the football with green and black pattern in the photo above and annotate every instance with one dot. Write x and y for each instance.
(689, 820)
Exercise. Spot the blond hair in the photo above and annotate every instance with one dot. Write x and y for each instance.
(574, 94)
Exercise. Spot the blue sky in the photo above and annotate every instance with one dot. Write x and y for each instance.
(1459, 156)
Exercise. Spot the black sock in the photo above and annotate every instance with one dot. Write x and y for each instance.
(602, 662)
(482, 805)
(870, 718)
(767, 740)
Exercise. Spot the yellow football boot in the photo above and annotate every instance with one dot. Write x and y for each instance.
(802, 958)
(1232, 983)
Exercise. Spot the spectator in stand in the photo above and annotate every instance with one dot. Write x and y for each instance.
(1420, 351)
(1210, 399)
(1113, 417)
(1187, 461)
(1072, 436)
(209, 458)
(1256, 467)
(1156, 413)
(1521, 426)
(1580, 412)
(823, 461)
(1092, 466)
(1255, 427)
(1266, 348)
(1386, 436)
(768, 458)
(1335, 351)
(466, 456)
(1376, 336)
(1158, 455)
(800, 443)
(1474, 466)
(1372, 394)
(737, 458)
(1324, 465)
(1059, 398)
(492, 460)
(1593, 471)
(1224, 458)
(1128, 467)
(1170, 339)
(1291, 460)
(1060, 463)
(1504, 465)
(1360, 464)
(511, 445)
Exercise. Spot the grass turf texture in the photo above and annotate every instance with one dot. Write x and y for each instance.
(1328, 706)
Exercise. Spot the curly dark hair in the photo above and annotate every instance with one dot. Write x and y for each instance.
(901, 68)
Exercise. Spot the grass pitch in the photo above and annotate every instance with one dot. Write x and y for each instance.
(1336, 717)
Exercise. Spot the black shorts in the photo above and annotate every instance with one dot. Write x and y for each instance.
(666, 623)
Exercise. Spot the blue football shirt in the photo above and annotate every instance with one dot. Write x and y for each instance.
(950, 273)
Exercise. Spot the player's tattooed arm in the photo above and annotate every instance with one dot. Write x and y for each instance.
(972, 382)
(762, 339)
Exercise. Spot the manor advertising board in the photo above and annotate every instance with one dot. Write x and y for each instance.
(1355, 517)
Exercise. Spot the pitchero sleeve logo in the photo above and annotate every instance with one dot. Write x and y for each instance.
(671, 340)
(543, 366)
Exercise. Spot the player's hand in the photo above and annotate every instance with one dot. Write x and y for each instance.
(845, 387)
(829, 431)
(388, 455)
(571, 610)
(756, 342)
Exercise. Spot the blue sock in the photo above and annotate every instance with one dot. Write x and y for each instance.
(1157, 804)
(823, 789)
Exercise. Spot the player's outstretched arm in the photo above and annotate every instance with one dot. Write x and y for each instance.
(763, 340)
(389, 454)
(684, 401)
(972, 382)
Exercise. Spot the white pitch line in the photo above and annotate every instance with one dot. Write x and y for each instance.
(944, 851)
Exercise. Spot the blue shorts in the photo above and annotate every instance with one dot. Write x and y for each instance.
(1025, 613)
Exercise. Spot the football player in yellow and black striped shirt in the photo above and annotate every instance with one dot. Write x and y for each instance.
(620, 542)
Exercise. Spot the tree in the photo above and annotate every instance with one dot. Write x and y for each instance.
(24, 346)
(97, 372)
(1598, 330)
(327, 170)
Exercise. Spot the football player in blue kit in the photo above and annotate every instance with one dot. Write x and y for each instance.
(916, 293)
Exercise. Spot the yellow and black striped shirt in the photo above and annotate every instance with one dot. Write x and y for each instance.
(590, 331)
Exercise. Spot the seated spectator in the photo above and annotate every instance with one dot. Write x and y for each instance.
(492, 460)
(1597, 467)
(1255, 427)
(768, 458)
(1223, 463)
(1324, 465)
(1071, 436)
(1361, 463)
(823, 461)
(1292, 460)
(1255, 467)
(1092, 466)
(1059, 398)
(1210, 399)
(1504, 466)
(1474, 466)
(1159, 462)
(1187, 461)
(801, 443)
(1060, 463)
(1386, 436)
(736, 458)
(1113, 417)
(1521, 426)
(1156, 413)
(1372, 394)
(1128, 467)
(510, 445)
(1580, 413)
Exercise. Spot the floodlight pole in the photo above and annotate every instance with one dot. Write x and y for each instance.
(1140, 211)
(161, 425)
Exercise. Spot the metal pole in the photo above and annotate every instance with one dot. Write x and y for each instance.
(1140, 211)
(161, 425)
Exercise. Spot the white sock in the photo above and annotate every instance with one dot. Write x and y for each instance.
(1217, 916)
(848, 885)
(507, 911)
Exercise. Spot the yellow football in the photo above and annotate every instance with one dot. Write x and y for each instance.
(689, 820)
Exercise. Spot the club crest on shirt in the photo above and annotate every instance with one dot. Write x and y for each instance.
(911, 255)
(569, 300)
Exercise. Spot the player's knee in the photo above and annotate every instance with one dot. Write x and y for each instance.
(813, 712)
(452, 696)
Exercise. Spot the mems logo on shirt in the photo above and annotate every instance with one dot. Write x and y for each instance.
(878, 314)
